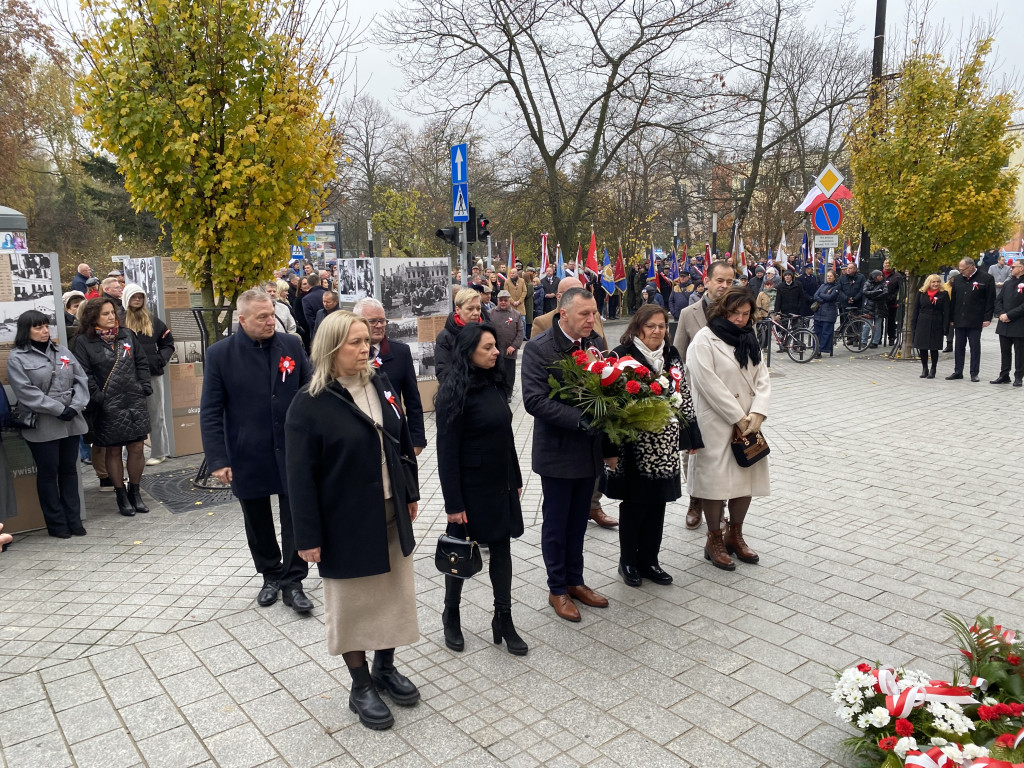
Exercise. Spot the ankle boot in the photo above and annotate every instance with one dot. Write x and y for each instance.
(384, 675)
(714, 550)
(503, 629)
(924, 367)
(735, 545)
(364, 701)
(931, 373)
(124, 506)
(135, 497)
(450, 617)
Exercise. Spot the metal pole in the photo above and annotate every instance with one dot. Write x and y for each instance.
(877, 55)
(369, 237)
(675, 234)
(464, 247)
(489, 264)
(714, 236)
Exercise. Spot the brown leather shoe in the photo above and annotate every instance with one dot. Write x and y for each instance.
(735, 545)
(693, 514)
(714, 551)
(564, 607)
(587, 596)
(598, 516)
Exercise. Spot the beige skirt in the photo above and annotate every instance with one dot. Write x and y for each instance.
(373, 612)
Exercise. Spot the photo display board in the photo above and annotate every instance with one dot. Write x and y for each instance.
(416, 294)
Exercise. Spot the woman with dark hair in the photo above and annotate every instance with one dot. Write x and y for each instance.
(827, 297)
(731, 390)
(647, 475)
(157, 342)
(480, 477)
(119, 384)
(48, 381)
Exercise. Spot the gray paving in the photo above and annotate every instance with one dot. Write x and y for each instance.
(894, 499)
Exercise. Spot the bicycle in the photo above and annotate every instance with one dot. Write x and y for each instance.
(852, 332)
(799, 343)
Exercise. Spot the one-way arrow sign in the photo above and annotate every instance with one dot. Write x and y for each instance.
(460, 156)
(460, 202)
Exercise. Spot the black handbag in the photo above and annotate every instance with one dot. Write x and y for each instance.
(458, 558)
(749, 449)
(21, 418)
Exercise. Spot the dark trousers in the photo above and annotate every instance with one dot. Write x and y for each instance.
(613, 306)
(640, 530)
(57, 483)
(1009, 345)
(566, 510)
(499, 567)
(890, 324)
(824, 329)
(926, 355)
(266, 554)
(508, 368)
(961, 337)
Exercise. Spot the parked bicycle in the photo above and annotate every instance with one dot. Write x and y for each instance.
(856, 332)
(798, 342)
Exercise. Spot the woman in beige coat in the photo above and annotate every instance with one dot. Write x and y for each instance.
(730, 387)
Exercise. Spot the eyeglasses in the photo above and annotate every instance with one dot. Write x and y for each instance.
(655, 327)
(376, 322)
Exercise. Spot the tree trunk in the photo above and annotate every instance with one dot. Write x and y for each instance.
(913, 286)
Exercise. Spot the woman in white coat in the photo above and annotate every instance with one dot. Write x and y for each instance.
(730, 387)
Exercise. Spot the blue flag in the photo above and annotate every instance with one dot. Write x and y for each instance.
(804, 253)
(560, 267)
(673, 267)
(607, 275)
(651, 274)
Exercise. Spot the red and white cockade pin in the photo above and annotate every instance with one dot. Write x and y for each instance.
(127, 349)
(64, 360)
(391, 399)
(286, 366)
(1020, 287)
(377, 362)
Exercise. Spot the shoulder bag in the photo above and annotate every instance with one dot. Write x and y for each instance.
(458, 558)
(21, 417)
(748, 449)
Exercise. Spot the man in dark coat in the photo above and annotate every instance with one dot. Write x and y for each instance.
(78, 281)
(113, 287)
(394, 358)
(330, 304)
(566, 453)
(809, 284)
(550, 285)
(250, 379)
(312, 303)
(508, 327)
(1010, 311)
(973, 302)
(893, 281)
(851, 291)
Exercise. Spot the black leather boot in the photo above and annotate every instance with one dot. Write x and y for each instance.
(365, 702)
(503, 629)
(450, 617)
(399, 687)
(124, 506)
(135, 497)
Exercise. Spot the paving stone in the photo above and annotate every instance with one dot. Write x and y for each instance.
(25, 723)
(213, 715)
(88, 720)
(47, 751)
(175, 748)
(110, 750)
(305, 745)
(241, 747)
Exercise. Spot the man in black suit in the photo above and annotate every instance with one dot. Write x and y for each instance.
(566, 453)
(550, 285)
(1010, 311)
(973, 302)
(249, 380)
(395, 359)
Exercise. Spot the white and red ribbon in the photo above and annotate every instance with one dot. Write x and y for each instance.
(933, 758)
(285, 366)
(901, 703)
(64, 360)
(127, 349)
(377, 362)
(391, 399)
(609, 367)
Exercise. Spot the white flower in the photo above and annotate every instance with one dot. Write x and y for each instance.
(862, 722)
(676, 399)
(915, 677)
(988, 701)
(903, 746)
(952, 751)
(845, 714)
(939, 742)
(974, 752)
(879, 717)
(663, 381)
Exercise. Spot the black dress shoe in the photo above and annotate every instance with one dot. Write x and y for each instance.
(59, 534)
(1001, 380)
(1018, 382)
(296, 599)
(268, 595)
(655, 574)
(78, 530)
(630, 575)
(953, 376)
(975, 379)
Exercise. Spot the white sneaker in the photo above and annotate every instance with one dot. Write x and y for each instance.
(154, 461)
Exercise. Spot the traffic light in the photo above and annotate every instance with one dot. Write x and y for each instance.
(449, 235)
(482, 233)
(471, 226)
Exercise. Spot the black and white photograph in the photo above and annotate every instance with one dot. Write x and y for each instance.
(142, 272)
(403, 329)
(11, 310)
(30, 275)
(415, 287)
(355, 279)
(186, 352)
(423, 358)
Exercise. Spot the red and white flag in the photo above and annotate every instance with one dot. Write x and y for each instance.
(544, 253)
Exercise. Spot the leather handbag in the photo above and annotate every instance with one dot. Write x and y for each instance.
(748, 449)
(458, 558)
(21, 418)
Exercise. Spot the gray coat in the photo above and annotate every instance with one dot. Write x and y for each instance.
(30, 372)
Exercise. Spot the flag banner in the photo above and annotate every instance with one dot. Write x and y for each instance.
(620, 272)
(511, 253)
(673, 266)
(607, 275)
(544, 254)
(805, 256)
(685, 261)
(592, 254)
(559, 266)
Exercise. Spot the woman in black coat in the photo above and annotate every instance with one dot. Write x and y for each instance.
(931, 320)
(479, 473)
(354, 490)
(118, 387)
(647, 474)
(468, 311)
(789, 296)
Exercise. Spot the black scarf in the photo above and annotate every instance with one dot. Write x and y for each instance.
(742, 340)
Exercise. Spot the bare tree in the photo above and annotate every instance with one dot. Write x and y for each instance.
(576, 79)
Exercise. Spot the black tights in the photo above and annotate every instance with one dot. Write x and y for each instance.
(499, 567)
(357, 659)
(136, 463)
(925, 353)
(713, 509)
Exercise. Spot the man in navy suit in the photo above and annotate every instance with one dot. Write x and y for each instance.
(567, 453)
(395, 359)
(249, 381)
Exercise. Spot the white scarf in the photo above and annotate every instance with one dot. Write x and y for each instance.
(655, 357)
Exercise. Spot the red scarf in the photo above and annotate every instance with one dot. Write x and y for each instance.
(108, 335)
(932, 295)
(462, 323)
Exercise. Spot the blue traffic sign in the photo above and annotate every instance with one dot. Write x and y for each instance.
(460, 202)
(460, 161)
(827, 217)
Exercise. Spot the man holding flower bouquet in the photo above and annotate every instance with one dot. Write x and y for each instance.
(567, 451)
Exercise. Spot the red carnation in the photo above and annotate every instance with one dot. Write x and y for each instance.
(1006, 740)
(580, 357)
(1016, 710)
(865, 668)
(1003, 710)
(1013, 659)
(987, 713)
(888, 744)
(904, 727)
(632, 387)
(655, 388)
(643, 371)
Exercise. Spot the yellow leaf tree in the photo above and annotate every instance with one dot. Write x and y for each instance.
(213, 112)
(929, 161)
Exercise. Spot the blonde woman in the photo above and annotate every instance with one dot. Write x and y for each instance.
(468, 311)
(348, 425)
(158, 344)
(278, 291)
(931, 320)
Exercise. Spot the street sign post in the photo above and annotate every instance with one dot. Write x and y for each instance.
(826, 241)
(827, 217)
(460, 202)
